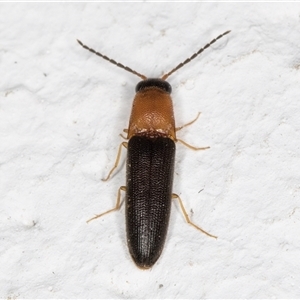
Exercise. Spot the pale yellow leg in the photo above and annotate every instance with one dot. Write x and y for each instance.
(186, 144)
(190, 123)
(188, 219)
(124, 137)
(117, 207)
(191, 147)
(124, 144)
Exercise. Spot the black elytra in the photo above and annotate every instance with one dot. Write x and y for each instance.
(150, 168)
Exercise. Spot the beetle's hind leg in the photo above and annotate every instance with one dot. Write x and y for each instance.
(117, 207)
(188, 219)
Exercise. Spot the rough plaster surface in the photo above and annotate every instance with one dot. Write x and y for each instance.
(62, 108)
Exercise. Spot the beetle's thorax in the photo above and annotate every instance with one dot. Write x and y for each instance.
(152, 114)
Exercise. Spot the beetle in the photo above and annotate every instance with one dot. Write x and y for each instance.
(151, 136)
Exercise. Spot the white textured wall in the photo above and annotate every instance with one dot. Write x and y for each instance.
(61, 110)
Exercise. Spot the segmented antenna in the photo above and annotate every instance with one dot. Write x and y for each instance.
(164, 77)
(112, 61)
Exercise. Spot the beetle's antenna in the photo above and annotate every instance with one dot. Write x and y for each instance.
(112, 61)
(194, 55)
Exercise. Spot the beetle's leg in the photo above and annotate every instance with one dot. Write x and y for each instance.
(190, 123)
(126, 131)
(190, 146)
(187, 217)
(185, 143)
(124, 144)
(118, 205)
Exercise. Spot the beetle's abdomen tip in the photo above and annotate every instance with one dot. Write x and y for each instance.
(145, 262)
(144, 265)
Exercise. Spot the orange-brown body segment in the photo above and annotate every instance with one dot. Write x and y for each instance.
(152, 114)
